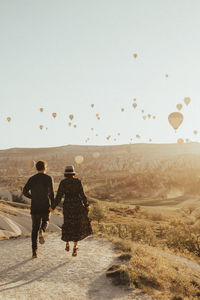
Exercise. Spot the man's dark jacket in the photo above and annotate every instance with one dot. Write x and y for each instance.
(39, 188)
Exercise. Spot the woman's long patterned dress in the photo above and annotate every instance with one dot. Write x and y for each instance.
(76, 222)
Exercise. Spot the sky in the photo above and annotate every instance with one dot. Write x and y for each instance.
(65, 55)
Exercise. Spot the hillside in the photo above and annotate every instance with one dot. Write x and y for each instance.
(116, 173)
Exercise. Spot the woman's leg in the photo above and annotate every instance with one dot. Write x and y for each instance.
(74, 253)
(67, 246)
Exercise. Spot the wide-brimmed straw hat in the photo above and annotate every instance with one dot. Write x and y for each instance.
(69, 170)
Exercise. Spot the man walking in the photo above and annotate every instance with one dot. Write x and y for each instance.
(39, 188)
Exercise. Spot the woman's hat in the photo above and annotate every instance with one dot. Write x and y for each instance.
(70, 170)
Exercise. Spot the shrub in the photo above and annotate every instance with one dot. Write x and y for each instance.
(20, 198)
(142, 232)
(181, 237)
(17, 197)
(190, 209)
(97, 212)
(137, 208)
(154, 216)
(123, 245)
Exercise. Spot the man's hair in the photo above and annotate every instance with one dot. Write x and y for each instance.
(40, 165)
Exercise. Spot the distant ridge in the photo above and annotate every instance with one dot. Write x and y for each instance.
(186, 145)
(156, 150)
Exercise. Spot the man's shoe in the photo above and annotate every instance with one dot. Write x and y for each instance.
(41, 237)
(35, 254)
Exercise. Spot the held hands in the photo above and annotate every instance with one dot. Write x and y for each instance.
(51, 210)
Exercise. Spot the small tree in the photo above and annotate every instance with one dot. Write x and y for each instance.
(191, 208)
(137, 208)
(97, 213)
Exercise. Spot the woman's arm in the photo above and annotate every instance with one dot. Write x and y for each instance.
(82, 195)
(59, 195)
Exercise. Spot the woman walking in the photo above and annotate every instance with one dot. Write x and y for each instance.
(75, 210)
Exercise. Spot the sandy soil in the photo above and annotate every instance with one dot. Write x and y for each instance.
(55, 274)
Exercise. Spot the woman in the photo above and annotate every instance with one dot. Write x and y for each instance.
(75, 210)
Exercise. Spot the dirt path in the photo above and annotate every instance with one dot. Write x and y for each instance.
(55, 274)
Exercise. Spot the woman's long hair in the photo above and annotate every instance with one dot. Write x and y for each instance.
(69, 175)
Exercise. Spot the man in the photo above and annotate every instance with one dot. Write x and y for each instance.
(39, 188)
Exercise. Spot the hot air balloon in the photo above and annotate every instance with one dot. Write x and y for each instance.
(179, 106)
(54, 115)
(135, 55)
(97, 115)
(187, 140)
(97, 134)
(180, 141)
(79, 159)
(187, 100)
(41, 109)
(8, 119)
(46, 128)
(134, 99)
(98, 118)
(92, 105)
(195, 131)
(75, 126)
(149, 116)
(150, 140)
(122, 109)
(154, 117)
(137, 136)
(41, 127)
(118, 134)
(166, 75)
(71, 117)
(96, 154)
(30, 164)
(134, 105)
(69, 123)
(142, 110)
(175, 119)
(92, 129)
(144, 117)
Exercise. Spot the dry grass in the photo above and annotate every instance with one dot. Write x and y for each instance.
(154, 216)
(9, 212)
(161, 276)
(140, 237)
(15, 204)
(157, 275)
(97, 212)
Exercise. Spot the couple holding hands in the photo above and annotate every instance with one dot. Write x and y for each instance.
(39, 188)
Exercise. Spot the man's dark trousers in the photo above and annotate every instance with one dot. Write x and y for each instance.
(39, 222)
